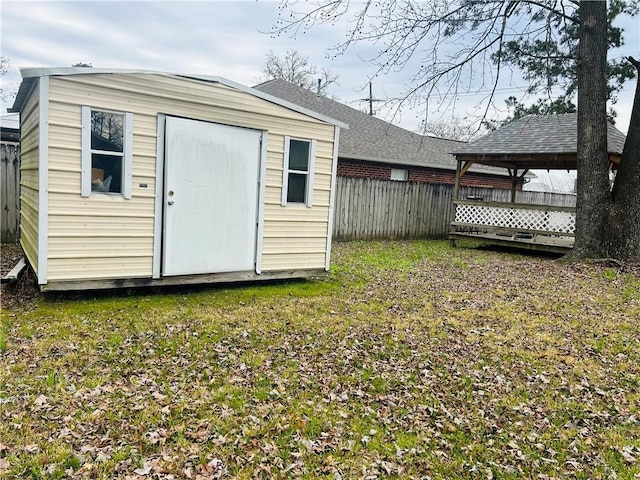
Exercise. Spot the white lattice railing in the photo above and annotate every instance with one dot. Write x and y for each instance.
(537, 219)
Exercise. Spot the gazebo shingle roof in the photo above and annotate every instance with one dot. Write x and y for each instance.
(538, 134)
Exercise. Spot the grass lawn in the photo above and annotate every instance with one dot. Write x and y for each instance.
(411, 360)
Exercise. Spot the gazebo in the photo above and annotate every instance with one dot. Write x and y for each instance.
(546, 142)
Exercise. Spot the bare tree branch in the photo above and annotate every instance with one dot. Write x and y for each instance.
(295, 68)
(457, 43)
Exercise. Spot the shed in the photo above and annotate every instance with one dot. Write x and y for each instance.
(133, 178)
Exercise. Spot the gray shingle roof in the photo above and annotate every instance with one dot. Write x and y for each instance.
(370, 138)
(538, 134)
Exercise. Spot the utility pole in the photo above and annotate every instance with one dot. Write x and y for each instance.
(370, 99)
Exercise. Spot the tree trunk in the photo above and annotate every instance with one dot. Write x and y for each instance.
(623, 242)
(593, 195)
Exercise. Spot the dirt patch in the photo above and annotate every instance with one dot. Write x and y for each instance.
(22, 292)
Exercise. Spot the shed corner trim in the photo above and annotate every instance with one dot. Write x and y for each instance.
(43, 177)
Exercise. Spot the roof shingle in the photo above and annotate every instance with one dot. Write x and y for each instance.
(538, 134)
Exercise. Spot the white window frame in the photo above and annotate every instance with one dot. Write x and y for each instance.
(308, 195)
(127, 153)
(399, 175)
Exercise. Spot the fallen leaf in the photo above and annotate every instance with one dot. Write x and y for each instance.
(628, 454)
(145, 470)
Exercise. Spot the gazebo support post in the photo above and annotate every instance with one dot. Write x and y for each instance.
(456, 185)
(514, 183)
(456, 193)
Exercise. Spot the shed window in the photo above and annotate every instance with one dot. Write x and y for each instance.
(297, 180)
(106, 152)
(399, 174)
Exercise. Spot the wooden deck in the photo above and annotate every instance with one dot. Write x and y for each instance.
(532, 227)
(540, 243)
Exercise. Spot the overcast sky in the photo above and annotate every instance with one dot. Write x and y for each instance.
(214, 38)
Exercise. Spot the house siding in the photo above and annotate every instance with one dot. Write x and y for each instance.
(107, 236)
(29, 179)
(377, 171)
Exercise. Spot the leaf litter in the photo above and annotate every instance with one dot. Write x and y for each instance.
(411, 360)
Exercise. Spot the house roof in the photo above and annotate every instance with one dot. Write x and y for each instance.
(30, 75)
(545, 141)
(372, 139)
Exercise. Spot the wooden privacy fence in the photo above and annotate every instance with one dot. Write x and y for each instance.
(365, 208)
(10, 191)
(368, 209)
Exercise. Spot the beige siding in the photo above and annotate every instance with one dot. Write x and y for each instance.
(94, 226)
(84, 268)
(275, 261)
(106, 236)
(29, 187)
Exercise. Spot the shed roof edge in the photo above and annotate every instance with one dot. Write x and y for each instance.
(30, 74)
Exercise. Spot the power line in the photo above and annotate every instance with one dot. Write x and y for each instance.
(515, 89)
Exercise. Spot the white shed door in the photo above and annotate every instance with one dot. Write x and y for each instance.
(210, 196)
